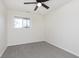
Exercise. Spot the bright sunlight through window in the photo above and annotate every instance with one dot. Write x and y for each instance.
(21, 22)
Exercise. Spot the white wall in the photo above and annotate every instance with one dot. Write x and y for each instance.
(3, 41)
(22, 36)
(63, 27)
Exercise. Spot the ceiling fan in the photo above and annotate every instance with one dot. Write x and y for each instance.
(38, 4)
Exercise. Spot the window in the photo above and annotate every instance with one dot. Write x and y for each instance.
(21, 22)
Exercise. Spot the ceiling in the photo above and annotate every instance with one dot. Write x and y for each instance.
(18, 5)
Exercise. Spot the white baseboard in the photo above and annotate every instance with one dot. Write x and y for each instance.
(2, 52)
(25, 43)
(64, 49)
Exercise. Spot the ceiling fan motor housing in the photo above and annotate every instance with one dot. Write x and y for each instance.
(42, 0)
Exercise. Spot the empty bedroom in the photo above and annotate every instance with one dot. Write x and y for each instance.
(39, 28)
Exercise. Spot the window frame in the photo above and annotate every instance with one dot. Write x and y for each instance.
(23, 19)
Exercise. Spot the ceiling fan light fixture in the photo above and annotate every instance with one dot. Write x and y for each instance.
(39, 4)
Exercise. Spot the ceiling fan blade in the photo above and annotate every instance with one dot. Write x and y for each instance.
(30, 2)
(36, 8)
(45, 6)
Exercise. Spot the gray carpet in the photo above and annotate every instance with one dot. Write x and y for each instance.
(36, 50)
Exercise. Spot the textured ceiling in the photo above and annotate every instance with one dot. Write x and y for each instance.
(18, 5)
